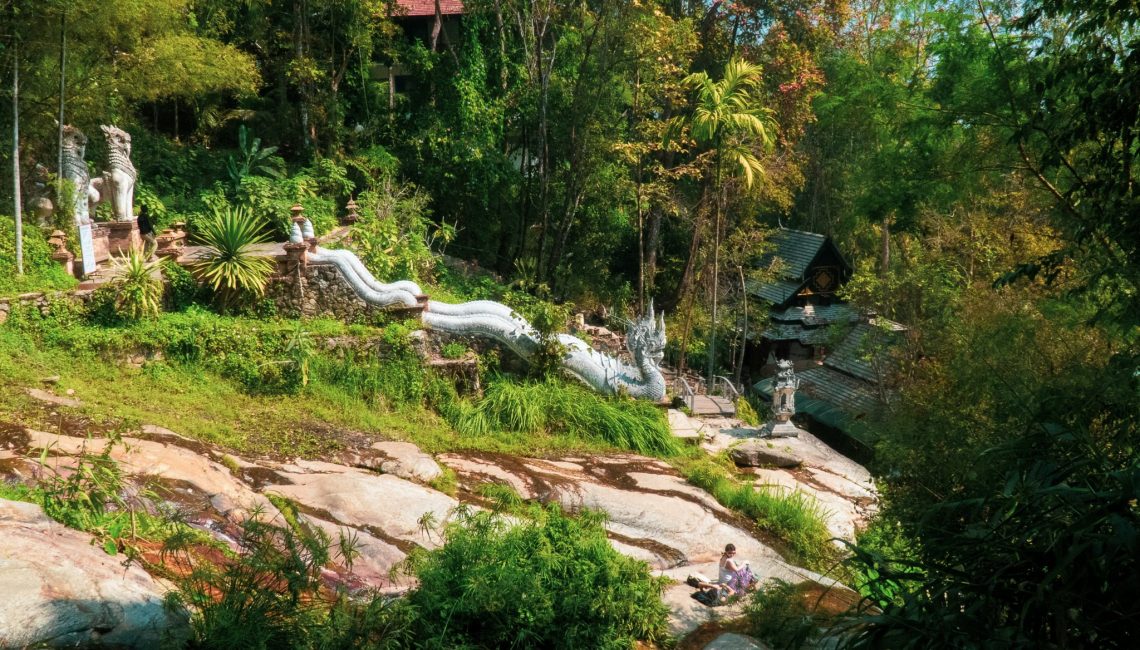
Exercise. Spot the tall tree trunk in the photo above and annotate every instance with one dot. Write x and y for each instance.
(436, 26)
(637, 202)
(744, 334)
(885, 248)
(16, 158)
(652, 239)
(687, 329)
(299, 53)
(686, 285)
(716, 268)
(62, 89)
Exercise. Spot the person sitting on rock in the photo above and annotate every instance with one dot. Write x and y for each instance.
(734, 576)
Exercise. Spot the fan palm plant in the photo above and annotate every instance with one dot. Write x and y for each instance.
(229, 264)
(137, 286)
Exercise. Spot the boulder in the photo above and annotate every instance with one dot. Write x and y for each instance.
(684, 426)
(60, 591)
(759, 453)
(406, 461)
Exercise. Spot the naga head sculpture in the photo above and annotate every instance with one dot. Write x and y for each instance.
(117, 139)
(74, 142)
(645, 337)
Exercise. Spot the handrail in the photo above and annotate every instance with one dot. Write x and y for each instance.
(728, 382)
(687, 394)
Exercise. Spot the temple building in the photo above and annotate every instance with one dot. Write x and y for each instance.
(842, 356)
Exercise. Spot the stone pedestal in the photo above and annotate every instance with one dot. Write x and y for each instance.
(101, 241)
(65, 259)
(778, 430)
(123, 236)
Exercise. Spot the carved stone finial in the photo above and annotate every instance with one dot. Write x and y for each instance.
(351, 217)
(58, 240)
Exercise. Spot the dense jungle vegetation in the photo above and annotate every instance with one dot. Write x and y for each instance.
(973, 159)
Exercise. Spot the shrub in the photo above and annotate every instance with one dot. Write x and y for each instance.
(539, 579)
(778, 616)
(91, 496)
(229, 265)
(453, 350)
(138, 286)
(183, 289)
(40, 271)
(270, 595)
(392, 238)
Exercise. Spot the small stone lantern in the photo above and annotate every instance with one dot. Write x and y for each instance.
(783, 403)
(351, 217)
(60, 254)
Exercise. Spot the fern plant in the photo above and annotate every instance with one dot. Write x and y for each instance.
(138, 286)
(230, 264)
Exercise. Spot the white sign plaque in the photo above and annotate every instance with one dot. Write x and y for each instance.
(87, 247)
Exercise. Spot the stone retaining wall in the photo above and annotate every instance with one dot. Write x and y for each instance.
(43, 300)
(319, 290)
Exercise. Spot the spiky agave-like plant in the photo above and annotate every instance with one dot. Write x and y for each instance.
(229, 264)
(137, 285)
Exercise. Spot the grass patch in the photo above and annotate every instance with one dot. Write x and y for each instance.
(557, 407)
(792, 516)
(236, 382)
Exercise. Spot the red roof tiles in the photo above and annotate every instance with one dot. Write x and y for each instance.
(427, 7)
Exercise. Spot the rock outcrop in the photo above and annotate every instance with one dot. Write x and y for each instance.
(760, 453)
(60, 591)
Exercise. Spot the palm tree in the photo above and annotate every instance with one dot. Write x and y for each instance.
(730, 119)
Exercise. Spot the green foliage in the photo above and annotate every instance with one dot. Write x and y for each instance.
(394, 378)
(40, 271)
(253, 159)
(229, 264)
(138, 286)
(554, 406)
(747, 413)
(91, 495)
(549, 320)
(542, 580)
(393, 236)
(778, 616)
(728, 116)
(1045, 560)
(182, 289)
(793, 517)
(270, 595)
(447, 481)
(453, 350)
(882, 554)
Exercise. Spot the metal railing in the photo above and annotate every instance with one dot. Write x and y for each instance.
(724, 386)
(682, 388)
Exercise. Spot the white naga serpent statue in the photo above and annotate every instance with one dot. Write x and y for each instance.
(645, 337)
